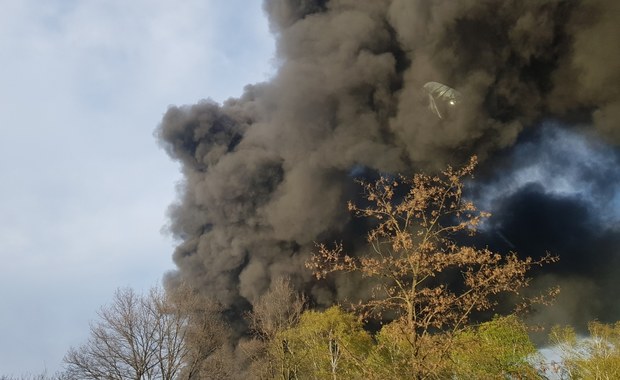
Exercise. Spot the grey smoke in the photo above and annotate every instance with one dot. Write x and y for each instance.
(268, 174)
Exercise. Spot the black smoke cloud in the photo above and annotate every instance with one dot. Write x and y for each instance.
(267, 175)
(558, 190)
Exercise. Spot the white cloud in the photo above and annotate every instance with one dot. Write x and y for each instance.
(562, 162)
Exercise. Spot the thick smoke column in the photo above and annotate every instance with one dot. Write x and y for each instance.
(268, 174)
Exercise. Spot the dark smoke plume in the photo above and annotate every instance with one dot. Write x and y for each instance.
(268, 174)
(558, 190)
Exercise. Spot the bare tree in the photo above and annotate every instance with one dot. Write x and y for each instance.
(122, 344)
(425, 278)
(154, 336)
(277, 309)
(274, 312)
(206, 336)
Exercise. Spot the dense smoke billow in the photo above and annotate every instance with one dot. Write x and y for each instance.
(268, 174)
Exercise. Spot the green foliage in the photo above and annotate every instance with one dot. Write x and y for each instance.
(595, 357)
(496, 349)
(391, 354)
(324, 345)
(395, 356)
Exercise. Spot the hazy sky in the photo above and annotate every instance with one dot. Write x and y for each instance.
(85, 187)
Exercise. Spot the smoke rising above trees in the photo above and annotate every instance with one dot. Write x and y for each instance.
(268, 174)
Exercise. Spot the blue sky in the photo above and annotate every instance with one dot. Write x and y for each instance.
(85, 187)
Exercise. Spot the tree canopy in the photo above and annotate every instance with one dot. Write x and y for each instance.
(426, 280)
